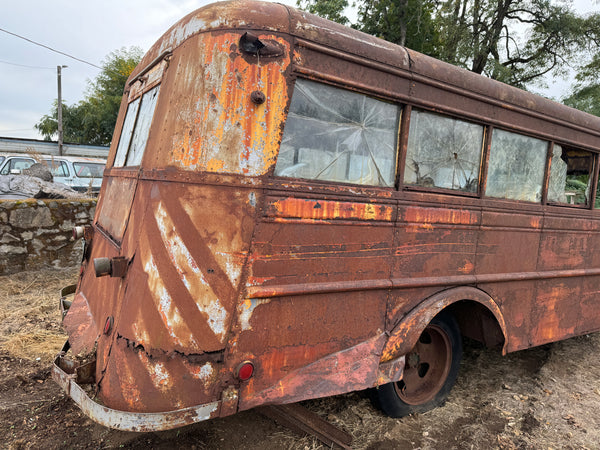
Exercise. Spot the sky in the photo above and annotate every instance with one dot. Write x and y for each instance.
(89, 31)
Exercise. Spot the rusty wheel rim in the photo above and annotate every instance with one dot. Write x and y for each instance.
(426, 368)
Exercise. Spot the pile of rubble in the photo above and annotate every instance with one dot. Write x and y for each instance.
(35, 182)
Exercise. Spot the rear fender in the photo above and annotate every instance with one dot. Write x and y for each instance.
(405, 334)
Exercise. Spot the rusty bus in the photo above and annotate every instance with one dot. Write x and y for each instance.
(293, 209)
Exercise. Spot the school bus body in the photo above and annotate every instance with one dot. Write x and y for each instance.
(323, 288)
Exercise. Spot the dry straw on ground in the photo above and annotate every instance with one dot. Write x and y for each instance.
(543, 398)
(29, 315)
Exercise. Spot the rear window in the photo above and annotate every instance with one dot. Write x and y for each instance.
(88, 170)
(136, 128)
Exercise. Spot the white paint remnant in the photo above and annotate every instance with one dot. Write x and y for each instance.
(141, 335)
(232, 268)
(202, 373)
(247, 308)
(161, 376)
(190, 273)
(183, 31)
(169, 313)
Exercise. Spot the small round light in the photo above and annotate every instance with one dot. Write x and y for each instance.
(108, 324)
(245, 370)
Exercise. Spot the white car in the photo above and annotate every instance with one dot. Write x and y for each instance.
(79, 173)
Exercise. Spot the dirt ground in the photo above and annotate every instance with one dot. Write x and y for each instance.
(543, 398)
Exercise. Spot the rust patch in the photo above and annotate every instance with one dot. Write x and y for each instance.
(352, 369)
(426, 217)
(223, 130)
(405, 334)
(115, 205)
(80, 326)
(328, 210)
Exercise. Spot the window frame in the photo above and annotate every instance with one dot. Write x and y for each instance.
(87, 164)
(9, 164)
(404, 137)
(594, 177)
(406, 106)
(139, 98)
(400, 106)
(62, 164)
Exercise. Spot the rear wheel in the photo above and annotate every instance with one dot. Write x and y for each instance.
(430, 371)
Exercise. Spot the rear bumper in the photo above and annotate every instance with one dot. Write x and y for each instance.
(125, 420)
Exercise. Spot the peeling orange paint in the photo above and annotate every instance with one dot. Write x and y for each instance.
(226, 132)
(214, 165)
(324, 209)
(441, 216)
(467, 268)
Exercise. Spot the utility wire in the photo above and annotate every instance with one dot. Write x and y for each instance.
(51, 49)
(29, 67)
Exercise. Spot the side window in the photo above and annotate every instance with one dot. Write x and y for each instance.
(337, 135)
(136, 128)
(88, 170)
(443, 152)
(126, 133)
(570, 176)
(58, 168)
(16, 164)
(516, 167)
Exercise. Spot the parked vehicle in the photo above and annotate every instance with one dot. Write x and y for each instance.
(79, 173)
(294, 209)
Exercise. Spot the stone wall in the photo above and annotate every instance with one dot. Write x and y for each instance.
(37, 233)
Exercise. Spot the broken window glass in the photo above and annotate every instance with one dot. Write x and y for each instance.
(337, 135)
(516, 167)
(443, 152)
(570, 176)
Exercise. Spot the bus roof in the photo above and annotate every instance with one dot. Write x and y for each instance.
(264, 16)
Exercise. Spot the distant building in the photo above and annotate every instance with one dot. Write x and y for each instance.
(16, 145)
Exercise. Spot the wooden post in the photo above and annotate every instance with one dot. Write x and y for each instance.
(60, 121)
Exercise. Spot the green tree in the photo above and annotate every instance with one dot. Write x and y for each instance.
(328, 9)
(404, 22)
(92, 120)
(585, 94)
(514, 41)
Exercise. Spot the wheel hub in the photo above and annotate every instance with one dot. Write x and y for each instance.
(426, 367)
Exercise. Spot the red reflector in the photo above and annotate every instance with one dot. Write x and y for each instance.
(108, 324)
(245, 370)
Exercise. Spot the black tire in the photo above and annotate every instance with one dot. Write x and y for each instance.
(430, 371)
